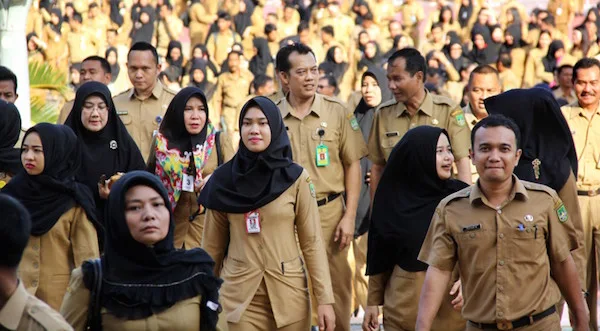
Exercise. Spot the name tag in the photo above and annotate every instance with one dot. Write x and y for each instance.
(187, 184)
(392, 134)
(472, 227)
(322, 155)
(122, 112)
(252, 222)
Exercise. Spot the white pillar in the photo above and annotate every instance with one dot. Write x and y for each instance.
(13, 50)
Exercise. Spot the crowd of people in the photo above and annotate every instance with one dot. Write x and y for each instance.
(302, 163)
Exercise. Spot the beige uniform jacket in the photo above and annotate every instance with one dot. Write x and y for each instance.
(183, 316)
(200, 21)
(219, 44)
(82, 44)
(49, 259)
(560, 94)
(24, 312)
(504, 253)
(165, 32)
(392, 121)
(272, 256)
(143, 117)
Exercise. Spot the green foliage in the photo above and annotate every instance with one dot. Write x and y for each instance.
(43, 80)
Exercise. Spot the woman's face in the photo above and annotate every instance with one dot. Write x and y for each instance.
(455, 51)
(591, 16)
(559, 53)
(194, 115)
(31, 45)
(146, 215)
(197, 53)
(577, 37)
(545, 40)
(338, 56)
(371, 91)
(175, 54)
(255, 132)
(112, 58)
(443, 158)
(94, 113)
(446, 15)
(509, 39)
(54, 19)
(509, 16)
(497, 35)
(198, 76)
(363, 38)
(370, 50)
(479, 41)
(32, 154)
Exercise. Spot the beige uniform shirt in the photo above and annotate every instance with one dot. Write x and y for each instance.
(143, 117)
(559, 93)
(343, 138)
(182, 316)
(509, 80)
(167, 31)
(586, 135)
(219, 45)
(49, 259)
(503, 252)
(272, 255)
(392, 121)
(24, 312)
(65, 111)
(81, 45)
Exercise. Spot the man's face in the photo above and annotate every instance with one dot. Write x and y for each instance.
(495, 154)
(304, 37)
(233, 60)
(267, 89)
(565, 78)
(587, 86)
(92, 71)
(482, 86)
(164, 11)
(111, 38)
(7, 91)
(324, 88)
(303, 74)
(437, 34)
(395, 29)
(223, 24)
(401, 83)
(142, 70)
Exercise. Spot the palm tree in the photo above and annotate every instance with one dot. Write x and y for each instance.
(49, 89)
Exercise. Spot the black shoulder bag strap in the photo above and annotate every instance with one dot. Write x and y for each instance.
(94, 318)
(218, 146)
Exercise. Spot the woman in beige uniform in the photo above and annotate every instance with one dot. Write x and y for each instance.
(256, 202)
(186, 151)
(62, 211)
(142, 282)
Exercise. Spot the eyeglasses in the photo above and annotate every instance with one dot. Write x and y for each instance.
(100, 108)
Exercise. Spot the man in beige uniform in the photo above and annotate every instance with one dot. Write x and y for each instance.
(564, 77)
(513, 250)
(484, 82)
(583, 117)
(326, 140)
(168, 28)
(20, 310)
(142, 107)
(93, 68)
(81, 41)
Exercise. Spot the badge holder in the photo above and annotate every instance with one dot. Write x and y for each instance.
(322, 157)
(252, 221)
(187, 183)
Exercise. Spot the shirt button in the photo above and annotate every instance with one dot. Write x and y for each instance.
(499, 211)
(472, 235)
(500, 288)
(500, 314)
(34, 283)
(501, 262)
(412, 125)
(36, 247)
(35, 265)
(501, 236)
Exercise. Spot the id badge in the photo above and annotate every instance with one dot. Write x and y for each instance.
(187, 184)
(252, 221)
(322, 155)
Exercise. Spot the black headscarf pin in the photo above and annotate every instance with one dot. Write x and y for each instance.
(536, 168)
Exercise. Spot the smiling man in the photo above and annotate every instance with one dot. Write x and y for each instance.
(484, 82)
(513, 250)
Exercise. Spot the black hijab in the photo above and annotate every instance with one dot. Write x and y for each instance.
(371, 62)
(485, 55)
(338, 69)
(210, 64)
(57, 28)
(115, 69)
(462, 61)
(545, 134)
(179, 63)
(140, 280)
(107, 151)
(243, 19)
(405, 201)
(252, 180)
(115, 14)
(259, 62)
(52, 193)
(464, 14)
(549, 61)
(515, 31)
(173, 126)
(207, 87)
(10, 129)
(145, 31)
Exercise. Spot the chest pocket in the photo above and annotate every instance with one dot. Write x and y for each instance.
(125, 118)
(389, 142)
(528, 245)
(477, 248)
(330, 135)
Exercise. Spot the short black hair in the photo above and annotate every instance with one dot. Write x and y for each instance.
(415, 62)
(560, 69)
(585, 63)
(7, 74)
(505, 59)
(15, 230)
(260, 81)
(168, 4)
(103, 62)
(282, 60)
(143, 46)
(497, 120)
(483, 69)
(270, 28)
(239, 54)
(303, 26)
(77, 17)
(328, 29)
(223, 15)
(549, 20)
(330, 80)
(437, 25)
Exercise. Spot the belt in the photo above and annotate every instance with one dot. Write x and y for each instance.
(328, 199)
(589, 193)
(523, 321)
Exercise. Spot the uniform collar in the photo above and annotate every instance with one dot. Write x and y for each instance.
(518, 190)
(426, 106)
(11, 314)
(156, 91)
(582, 112)
(314, 108)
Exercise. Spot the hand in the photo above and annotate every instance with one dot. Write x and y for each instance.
(368, 177)
(458, 302)
(103, 189)
(326, 317)
(371, 320)
(345, 231)
(202, 183)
